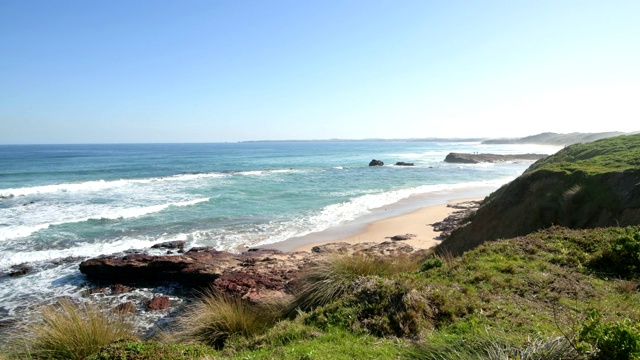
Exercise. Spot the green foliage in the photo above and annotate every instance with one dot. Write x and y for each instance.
(69, 331)
(431, 263)
(150, 350)
(621, 257)
(214, 317)
(377, 306)
(334, 344)
(331, 279)
(618, 340)
(613, 154)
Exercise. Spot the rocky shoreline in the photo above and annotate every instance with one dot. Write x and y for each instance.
(257, 275)
(465, 158)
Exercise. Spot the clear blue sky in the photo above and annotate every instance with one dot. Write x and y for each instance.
(207, 71)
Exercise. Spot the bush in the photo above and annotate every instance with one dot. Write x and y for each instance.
(378, 306)
(621, 258)
(69, 331)
(215, 317)
(330, 279)
(611, 340)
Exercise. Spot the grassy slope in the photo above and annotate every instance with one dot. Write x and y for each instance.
(582, 186)
(537, 286)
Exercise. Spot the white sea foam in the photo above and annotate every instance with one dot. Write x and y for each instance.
(340, 213)
(9, 258)
(100, 185)
(58, 215)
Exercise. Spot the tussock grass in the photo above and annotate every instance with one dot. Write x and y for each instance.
(495, 348)
(330, 279)
(69, 331)
(214, 317)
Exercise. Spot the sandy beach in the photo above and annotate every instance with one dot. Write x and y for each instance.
(417, 223)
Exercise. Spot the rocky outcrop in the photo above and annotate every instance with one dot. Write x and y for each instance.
(464, 158)
(463, 211)
(173, 245)
(159, 302)
(402, 163)
(375, 162)
(256, 275)
(401, 237)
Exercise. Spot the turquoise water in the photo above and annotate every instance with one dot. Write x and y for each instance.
(79, 201)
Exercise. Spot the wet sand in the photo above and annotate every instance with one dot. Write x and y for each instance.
(417, 223)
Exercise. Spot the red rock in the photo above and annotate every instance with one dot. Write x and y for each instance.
(159, 302)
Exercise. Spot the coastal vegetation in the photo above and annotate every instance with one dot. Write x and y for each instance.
(564, 284)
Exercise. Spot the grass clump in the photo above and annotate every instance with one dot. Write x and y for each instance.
(215, 317)
(493, 347)
(330, 279)
(69, 331)
(151, 350)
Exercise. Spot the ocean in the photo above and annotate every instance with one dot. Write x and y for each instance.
(60, 204)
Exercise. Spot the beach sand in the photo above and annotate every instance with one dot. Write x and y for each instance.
(417, 223)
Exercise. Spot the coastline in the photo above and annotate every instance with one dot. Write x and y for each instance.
(413, 215)
(418, 223)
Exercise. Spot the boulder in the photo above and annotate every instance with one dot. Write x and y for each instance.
(177, 244)
(19, 270)
(159, 302)
(375, 162)
(402, 163)
(401, 237)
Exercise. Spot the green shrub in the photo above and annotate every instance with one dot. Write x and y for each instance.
(330, 279)
(214, 317)
(69, 331)
(431, 263)
(150, 350)
(610, 340)
(621, 258)
(377, 306)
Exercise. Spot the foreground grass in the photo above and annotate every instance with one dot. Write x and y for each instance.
(68, 331)
(331, 279)
(548, 295)
(214, 317)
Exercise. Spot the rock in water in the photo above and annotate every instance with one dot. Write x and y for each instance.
(375, 162)
(158, 303)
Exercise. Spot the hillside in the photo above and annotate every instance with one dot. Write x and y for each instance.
(550, 138)
(582, 186)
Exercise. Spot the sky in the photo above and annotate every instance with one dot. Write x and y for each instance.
(123, 71)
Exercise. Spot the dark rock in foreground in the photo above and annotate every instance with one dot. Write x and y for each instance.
(257, 275)
(375, 162)
(463, 158)
(177, 244)
(160, 302)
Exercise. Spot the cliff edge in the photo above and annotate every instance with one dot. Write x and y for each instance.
(587, 185)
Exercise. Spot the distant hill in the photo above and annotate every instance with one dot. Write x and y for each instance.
(588, 185)
(549, 138)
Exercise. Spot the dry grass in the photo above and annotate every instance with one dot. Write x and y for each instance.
(69, 331)
(215, 317)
